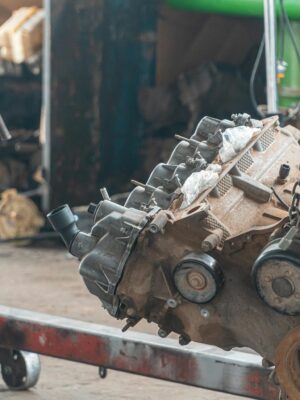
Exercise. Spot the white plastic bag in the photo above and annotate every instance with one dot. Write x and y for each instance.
(235, 140)
(214, 168)
(197, 183)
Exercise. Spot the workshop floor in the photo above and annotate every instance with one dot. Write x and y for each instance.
(46, 280)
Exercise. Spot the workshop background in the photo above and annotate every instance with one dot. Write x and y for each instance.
(92, 93)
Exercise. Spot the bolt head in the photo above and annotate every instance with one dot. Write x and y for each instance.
(131, 312)
(204, 313)
(184, 340)
(172, 303)
(162, 333)
(196, 280)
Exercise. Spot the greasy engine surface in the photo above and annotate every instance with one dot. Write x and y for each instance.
(209, 247)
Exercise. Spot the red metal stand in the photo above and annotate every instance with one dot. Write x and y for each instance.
(204, 366)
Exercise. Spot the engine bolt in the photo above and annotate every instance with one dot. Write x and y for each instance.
(131, 312)
(184, 340)
(205, 313)
(162, 333)
(172, 303)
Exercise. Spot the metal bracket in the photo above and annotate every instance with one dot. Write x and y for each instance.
(234, 372)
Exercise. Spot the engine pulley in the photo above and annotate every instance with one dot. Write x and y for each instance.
(198, 278)
(276, 275)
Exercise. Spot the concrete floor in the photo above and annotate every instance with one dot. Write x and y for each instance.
(47, 280)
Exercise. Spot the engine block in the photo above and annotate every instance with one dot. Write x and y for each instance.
(209, 247)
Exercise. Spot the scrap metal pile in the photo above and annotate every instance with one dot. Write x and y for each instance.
(209, 247)
(19, 215)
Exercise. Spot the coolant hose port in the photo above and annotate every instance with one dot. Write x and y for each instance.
(64, 222)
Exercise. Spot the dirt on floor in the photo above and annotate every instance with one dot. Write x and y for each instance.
(46, 280)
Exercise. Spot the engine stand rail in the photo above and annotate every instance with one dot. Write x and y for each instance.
(234, 372)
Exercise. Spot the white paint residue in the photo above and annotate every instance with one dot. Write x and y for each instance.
(42, 340)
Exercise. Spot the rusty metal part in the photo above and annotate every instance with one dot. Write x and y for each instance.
(19, 216)
(237, 372)
(236, 218)
(288, 364)
(278, 283)
(198, 278)
(212, 241)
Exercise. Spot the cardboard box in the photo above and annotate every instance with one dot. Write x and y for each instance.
(21, 36)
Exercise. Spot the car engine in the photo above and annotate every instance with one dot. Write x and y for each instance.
(209, 246)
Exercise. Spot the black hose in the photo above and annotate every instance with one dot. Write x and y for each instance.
(253, 76)
(281, 201)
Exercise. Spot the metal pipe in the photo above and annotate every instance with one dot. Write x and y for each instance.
(4, 133)
(250, 8)
(273, 95)
(270, 49)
